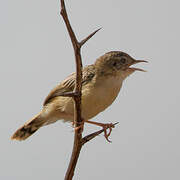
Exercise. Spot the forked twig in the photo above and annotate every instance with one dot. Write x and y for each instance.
(87, 38)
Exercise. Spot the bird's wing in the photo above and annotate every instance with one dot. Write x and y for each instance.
(69, 83)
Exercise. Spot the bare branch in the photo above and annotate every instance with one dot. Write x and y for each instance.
(91, 136)
(68, 25)
(78, 141)
(87, 38)
(77, 99)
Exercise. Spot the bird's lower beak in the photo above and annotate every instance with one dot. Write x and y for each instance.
(137, 69)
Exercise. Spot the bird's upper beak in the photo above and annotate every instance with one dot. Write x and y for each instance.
(135, 62)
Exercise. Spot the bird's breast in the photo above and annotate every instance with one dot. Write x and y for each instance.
(97, 97)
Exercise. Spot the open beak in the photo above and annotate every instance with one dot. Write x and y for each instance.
(135, 62)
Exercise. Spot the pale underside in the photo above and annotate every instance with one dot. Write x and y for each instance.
(97, 95)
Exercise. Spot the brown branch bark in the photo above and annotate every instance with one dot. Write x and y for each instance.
(77, 98)
(87, 38)
(76, 95)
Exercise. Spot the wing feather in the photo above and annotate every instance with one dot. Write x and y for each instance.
(69, 83)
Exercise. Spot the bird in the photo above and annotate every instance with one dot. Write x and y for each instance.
(101, 84)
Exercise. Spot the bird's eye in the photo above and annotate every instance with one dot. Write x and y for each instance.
(123, 60)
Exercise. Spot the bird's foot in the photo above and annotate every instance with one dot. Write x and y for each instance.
(105, 128)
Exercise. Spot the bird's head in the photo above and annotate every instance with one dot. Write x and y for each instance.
(117, 63)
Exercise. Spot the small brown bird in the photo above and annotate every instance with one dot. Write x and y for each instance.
(101, 83)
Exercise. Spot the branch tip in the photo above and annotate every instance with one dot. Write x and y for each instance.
(88, 37)
(115, 124)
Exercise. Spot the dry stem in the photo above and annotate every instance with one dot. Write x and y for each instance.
(76, 94)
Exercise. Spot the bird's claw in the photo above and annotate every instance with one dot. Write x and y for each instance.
(105, 127)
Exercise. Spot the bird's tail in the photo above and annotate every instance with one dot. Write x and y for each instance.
(28, 128)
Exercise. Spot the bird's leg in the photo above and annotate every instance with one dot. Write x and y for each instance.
(105, 127)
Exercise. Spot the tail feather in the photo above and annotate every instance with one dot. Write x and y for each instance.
(28, 128)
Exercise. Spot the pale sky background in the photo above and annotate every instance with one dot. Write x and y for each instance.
(36, 54)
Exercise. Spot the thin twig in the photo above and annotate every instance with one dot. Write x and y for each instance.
(68, 25)
(77, 98)
(87, 38)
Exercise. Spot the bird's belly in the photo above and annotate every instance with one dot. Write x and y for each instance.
(94, 101)
(97, 100)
